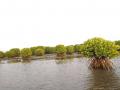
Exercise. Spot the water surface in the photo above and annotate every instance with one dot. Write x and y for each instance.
(70, 74)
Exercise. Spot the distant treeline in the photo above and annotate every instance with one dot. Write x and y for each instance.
(59, 50)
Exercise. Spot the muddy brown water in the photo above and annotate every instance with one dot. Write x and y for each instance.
(70, 74)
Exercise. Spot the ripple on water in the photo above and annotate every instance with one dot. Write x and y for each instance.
(58, 75)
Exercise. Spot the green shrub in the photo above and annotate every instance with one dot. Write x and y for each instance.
(2, 55)
(15, 52)
(70, 49)
(9, 54)
(26, 53)
(50, 50)
(60, 50)
(77, 48)
(33, 49)
(118, 48)
(98, 48)
(39, 52)
(100, 51)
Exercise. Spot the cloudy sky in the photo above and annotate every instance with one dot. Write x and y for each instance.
(25, 23)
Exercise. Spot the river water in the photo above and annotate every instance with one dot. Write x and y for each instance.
(70, 74)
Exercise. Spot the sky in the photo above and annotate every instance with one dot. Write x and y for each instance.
(26, 23)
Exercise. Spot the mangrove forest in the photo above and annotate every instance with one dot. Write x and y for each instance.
(98, 50)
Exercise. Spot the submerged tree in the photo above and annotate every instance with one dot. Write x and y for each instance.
(9, 54)
(70, 49)
(26, 53)
(39, 52)
(15, 52)
(33, 49)
(60, 51)
(99, 51)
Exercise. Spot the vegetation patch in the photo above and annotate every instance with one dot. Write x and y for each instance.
(61, 51)
(100, 52)
(26, 53)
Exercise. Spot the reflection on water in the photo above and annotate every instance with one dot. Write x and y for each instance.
(69, 74)
(64, 61)
(104, 80)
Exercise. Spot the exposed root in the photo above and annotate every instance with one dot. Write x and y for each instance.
(104, 64)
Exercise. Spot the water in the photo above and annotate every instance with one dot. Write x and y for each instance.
(70, 74)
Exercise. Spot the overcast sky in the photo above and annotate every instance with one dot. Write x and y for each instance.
(25, 23)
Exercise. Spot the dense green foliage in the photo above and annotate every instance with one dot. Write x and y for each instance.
(77, 48)
(15, 52)
(96, 48)
(33, 49)
(117, 42)
(49, 50)
(9, 54)
(39, 52)
(118, 45)
(26, 53)
(70, 49)
(99, 48)
(2, 55)
(60, 50)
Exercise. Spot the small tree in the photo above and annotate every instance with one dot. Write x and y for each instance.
(77, 48)
(39, 52)
(70, 49)
(2, 55)
(33, 49)
(49, 50)
(100, 51)
(26, 53)
(15, 52)
(60, 50)
(9, 54)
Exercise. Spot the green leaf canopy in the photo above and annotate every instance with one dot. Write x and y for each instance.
(99, 48)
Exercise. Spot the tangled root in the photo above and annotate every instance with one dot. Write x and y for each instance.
(104, 64)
